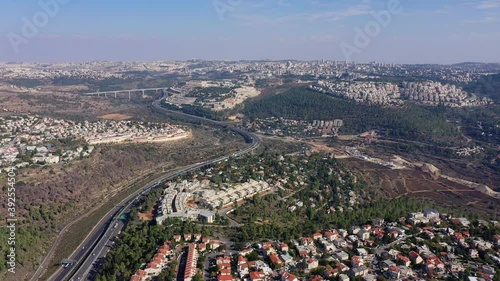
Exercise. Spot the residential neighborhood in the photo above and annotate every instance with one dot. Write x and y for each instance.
(32, 139)
(197, 200)
(428, 93)
(296, 128)
(425, 245)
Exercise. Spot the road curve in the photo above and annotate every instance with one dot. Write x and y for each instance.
(98, 242)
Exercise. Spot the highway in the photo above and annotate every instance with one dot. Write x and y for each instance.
(126, 91)
(95, 247)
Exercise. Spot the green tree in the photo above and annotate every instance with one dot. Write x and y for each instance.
(198, 277)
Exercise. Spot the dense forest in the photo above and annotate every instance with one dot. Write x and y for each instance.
(487, 85)
(202, 111)
(305, 225)
(316, 221)
(480, 123)
(410, 122)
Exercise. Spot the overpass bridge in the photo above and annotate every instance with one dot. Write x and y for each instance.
(119, 93)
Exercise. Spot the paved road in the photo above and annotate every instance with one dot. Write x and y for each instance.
(224, 212)
(102, 231)
(90, 253)
(210, 260)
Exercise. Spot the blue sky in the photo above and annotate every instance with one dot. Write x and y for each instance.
(423, 31)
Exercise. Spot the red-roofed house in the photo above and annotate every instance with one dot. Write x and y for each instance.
(275, 259)
(288, 277)
(135, 278)
(165, 250)
(380, 234)
(312, 263)
(316, 278)
(429, 234)
(394, 272)
(356, 261)
(252, 264)
(159, 256)
(303, 253)
(496, 239)
(332, 235)
(159, 259)
(197, 237)
(192, 258)
(242, 260)
(225, 278)
(140, 275)
(245, 252)
(214, 244)
(394, 234)
(225, 266)
(332, 272)
(415, 257)
(257, 276)
(404, 260)
(342, 267)
(267, 245)
(243, 269)
(177, 238)
(223, 260)
(202, 247)
(225, 272)
(317, 236)
(307, 241)
(434, 265)
(153, 268)
(458, 236)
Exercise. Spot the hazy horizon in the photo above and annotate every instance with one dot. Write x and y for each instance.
(422, 32)
(253, 60)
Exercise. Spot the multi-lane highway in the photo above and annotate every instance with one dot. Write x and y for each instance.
(98, 242)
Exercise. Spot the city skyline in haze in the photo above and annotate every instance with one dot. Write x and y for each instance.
(391, 31)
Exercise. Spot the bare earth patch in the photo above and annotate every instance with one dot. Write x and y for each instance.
(115, 116)
(60, 103)
(415, 183)
(147, 216)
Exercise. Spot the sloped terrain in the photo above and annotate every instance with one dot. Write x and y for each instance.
(48, 198)
(417, 184)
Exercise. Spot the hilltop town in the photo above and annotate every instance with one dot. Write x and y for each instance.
(32, 139)
(462, 73)
(427, 93)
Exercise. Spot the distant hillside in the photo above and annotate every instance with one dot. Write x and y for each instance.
(483, 64)
(410, 122)
(488, 85)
